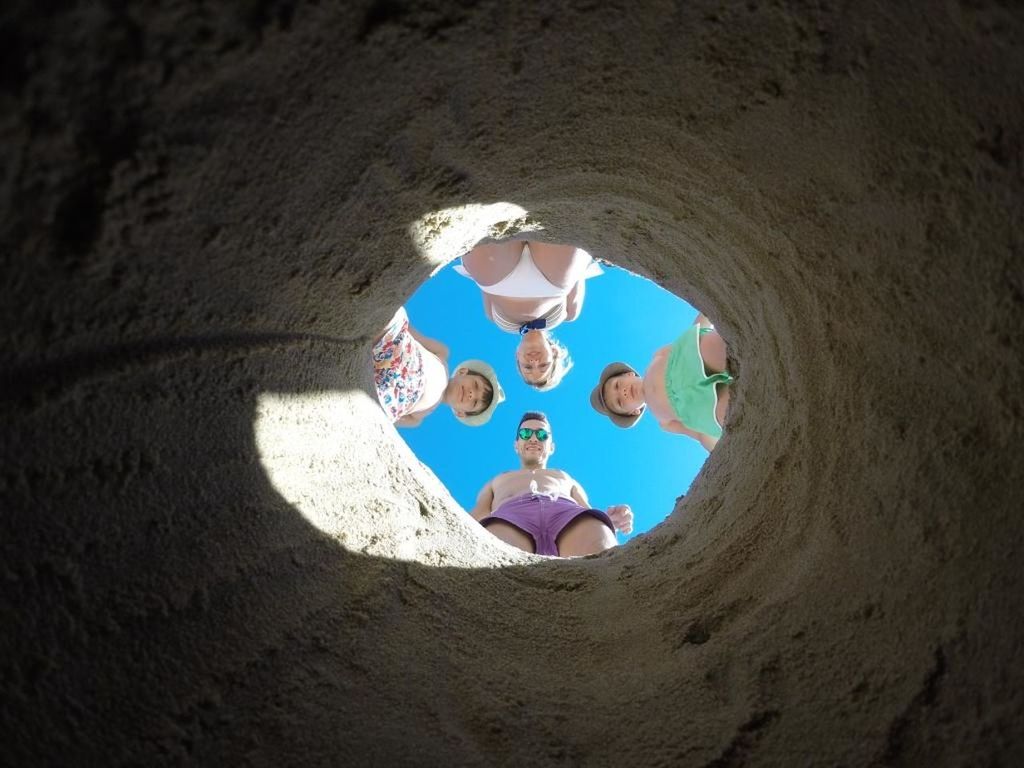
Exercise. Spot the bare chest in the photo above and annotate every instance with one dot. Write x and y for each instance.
(550, 482)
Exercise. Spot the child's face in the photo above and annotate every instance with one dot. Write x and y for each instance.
(624, 394)
(468, 392)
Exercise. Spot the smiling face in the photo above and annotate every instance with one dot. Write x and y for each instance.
(469, 392)
(534, 452)
(535, 357)
(624, 394)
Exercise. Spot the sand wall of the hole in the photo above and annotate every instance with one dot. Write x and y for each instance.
(205, 208)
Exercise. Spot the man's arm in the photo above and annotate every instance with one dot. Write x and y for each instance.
(484, 499)
(620, 514)
(579, 495)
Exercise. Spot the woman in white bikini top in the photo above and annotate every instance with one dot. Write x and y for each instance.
(528, 288)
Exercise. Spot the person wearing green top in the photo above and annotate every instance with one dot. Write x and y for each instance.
(686, 386)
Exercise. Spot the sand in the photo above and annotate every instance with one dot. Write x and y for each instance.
(216, 551)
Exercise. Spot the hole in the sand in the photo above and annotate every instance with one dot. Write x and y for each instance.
(623, 318)
(316, 447)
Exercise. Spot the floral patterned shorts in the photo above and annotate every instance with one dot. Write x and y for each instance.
(398, 368)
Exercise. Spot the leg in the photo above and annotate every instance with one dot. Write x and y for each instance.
(511, 535)
(712, 351)
(562, 265)
(585, 535)
(492, 262)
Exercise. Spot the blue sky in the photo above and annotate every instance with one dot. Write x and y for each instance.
(624, 317)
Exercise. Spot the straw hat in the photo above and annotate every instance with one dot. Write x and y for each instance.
(597, 397)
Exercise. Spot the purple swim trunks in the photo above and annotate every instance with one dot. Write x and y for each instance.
(543, 518)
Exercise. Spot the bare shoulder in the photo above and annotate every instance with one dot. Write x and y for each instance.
(654, 387)
(659, 361)
(661, 354)
(577, 492)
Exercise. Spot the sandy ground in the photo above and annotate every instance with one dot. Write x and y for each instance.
(215, 550)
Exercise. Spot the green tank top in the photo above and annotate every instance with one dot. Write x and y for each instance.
(691, 392)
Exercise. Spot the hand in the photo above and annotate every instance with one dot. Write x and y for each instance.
(622, 517)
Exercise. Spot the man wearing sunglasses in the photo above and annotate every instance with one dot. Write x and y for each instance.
(544, 510)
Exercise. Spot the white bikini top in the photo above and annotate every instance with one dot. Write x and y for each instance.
(526, 281)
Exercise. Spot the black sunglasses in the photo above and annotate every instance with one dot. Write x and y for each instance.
(525, 433)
